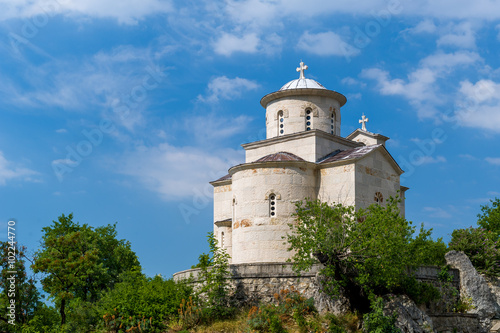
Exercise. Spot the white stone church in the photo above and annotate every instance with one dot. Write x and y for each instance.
(303, 156)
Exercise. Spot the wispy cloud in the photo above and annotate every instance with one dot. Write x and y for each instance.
(126, 11)
(224, 88)
(227, 44)
(420, 87)
(326, 44)
(437, 212)
(493, 160)
(177, 173)
(460, 35)
(11, 171)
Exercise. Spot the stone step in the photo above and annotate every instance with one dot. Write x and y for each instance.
(495, 326)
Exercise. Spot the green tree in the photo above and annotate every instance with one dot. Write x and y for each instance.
(363, 252)
(481, 246)
(489, 219)
(78, 261)
(16, 286)
(215, 288)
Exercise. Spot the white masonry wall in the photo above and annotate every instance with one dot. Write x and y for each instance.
(375, 174)
(310, 146)
(257, 237)
(336, 184)
(294, 110)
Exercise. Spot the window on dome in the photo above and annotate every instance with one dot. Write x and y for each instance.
(272, 205)
(308, 120)
(281, 123)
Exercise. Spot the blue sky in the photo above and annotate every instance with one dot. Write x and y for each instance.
(124, 112)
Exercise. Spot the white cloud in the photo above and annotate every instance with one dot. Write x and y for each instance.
(65, 161)
(479, 105)
(430, 160)
(493, 160)
(460, 35)
(227, 44)
(177, 173)
(126, 11)
(425, 26)
(326, 44)
(437, 212)
(420, 87)
(263, 13)
(61, 130)
(224, 88)
(116, 83)
(352, 82)
(467, 157)
(210, 128)
(9, 171)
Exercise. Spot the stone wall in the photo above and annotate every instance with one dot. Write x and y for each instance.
(258, 282)
(456, 323)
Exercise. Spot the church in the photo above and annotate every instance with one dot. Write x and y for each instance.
(303, 156)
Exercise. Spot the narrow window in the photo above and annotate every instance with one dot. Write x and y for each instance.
(308, 120)
(332, 125)
(222, 239)
(379, 198)
(281, 123)
(272, 205)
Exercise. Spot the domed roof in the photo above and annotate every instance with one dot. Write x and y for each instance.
(302, 83)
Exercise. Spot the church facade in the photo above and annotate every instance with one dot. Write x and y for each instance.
(303, 156)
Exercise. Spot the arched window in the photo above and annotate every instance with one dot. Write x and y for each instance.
(272, 205)
(308, 119)
(281, 123)
(379, 198)
(332, 123)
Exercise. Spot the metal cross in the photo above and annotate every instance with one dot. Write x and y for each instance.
(301, 69)
(363, 121)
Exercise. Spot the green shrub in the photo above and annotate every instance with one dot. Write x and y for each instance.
(377, 322)
(480, 246)
(420, 292)
(265, 319)
(335, 324)
(139, 297)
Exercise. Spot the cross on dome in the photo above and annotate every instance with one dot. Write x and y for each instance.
(363, 121)
(301, 69)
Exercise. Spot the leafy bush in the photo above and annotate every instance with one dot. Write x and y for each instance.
(377, 322)
(139, 297)
(480, 246)
(265, 319)
(420, 292)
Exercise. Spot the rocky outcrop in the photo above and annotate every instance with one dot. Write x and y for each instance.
(410, 318)
(473, 285)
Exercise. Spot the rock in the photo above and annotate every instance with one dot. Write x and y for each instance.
(410, 318)
(473, 285)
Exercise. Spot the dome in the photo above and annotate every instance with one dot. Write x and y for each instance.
(302, 83)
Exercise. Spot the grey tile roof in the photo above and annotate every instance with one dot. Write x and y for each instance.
(281, 156)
